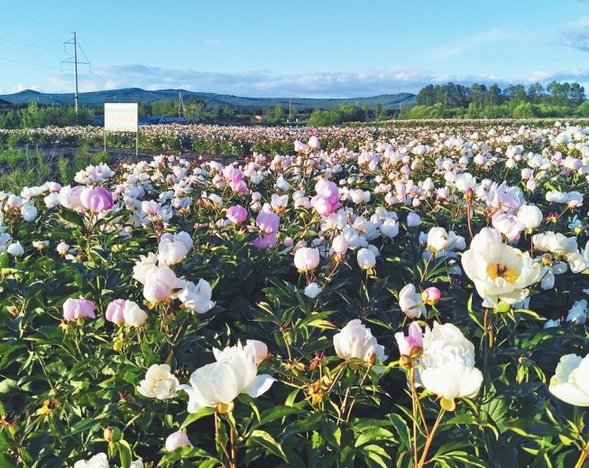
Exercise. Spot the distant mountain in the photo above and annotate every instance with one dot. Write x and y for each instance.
(98, 98)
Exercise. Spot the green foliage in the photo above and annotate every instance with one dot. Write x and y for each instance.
(63, 382)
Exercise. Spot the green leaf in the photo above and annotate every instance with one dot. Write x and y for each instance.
(373, 434)
(277, 412)
(502, 307)
(8, 386)
(201, 413)
(532, 428)
(125, 453)
(267, 441)
(402, 430)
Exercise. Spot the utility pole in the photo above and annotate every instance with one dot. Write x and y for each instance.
(75, 57)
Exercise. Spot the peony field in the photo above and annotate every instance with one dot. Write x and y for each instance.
(412, 295)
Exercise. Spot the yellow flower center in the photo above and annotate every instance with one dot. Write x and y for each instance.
(498, 270)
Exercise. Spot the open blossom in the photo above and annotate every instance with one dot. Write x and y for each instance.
(571, 380)
(446, 366)
(74, 309)
(356, 341)
(159, 383)
(150, 207)
(439, 239)
(236, 214)
(327, 199)
(312, 290)
(216, 385)
(268, 223)
(498, 271)
(306, 259)
(62, 248)
(96, 199)
(578, 312)
(28, 212)
(411, 302)
(265, 241)
(159, 284)
(100, 460)
(196, 297)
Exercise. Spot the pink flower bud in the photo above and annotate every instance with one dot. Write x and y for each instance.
(431, 295)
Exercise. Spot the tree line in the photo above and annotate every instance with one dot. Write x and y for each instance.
(448, 100)
(452, 100)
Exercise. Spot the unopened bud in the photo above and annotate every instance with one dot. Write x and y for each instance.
(113, 434)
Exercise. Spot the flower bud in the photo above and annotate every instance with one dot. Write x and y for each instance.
(431, 295)
(113, 434)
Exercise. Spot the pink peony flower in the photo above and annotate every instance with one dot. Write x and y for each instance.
(236, 214)
(96, 199)
(74, 309)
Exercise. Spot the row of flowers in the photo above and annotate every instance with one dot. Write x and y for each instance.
(417, 301)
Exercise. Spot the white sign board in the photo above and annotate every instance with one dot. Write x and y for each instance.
(120, 117)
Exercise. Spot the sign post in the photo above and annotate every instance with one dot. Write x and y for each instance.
(121, 117)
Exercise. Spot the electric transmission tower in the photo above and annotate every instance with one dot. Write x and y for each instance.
(75, 61)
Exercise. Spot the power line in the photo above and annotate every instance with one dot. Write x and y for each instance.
(30, 45)
(31, 65)
(32, 19)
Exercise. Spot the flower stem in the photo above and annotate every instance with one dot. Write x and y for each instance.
(583, 457)
(359, 386)
(429, 439)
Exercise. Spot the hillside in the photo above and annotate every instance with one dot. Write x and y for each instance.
(98, 98)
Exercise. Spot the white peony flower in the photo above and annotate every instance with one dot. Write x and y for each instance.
(366, 258)
(411, 303)
(312, 290)
(498, 271)
(99, 460)
(216, 385)
(356, 341)
(159, 383)
(446, 366)
(578, 313)
(196, 297)
(571, 380)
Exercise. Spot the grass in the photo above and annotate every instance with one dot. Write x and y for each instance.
(28, 168)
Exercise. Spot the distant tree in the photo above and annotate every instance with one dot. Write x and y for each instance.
(426, 96)
(576, 94)
(515, 94)
(583, 109)
(557, 94)
(165, 108)
(193, 110)
(477, 95)
(321, 118)
(525, 110)
(535, 93)
(455, 95)
(493, 96)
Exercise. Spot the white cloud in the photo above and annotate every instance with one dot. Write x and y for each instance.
(576, 35)
(261, 83)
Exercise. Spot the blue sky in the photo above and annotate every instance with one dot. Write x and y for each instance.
(291, 48)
